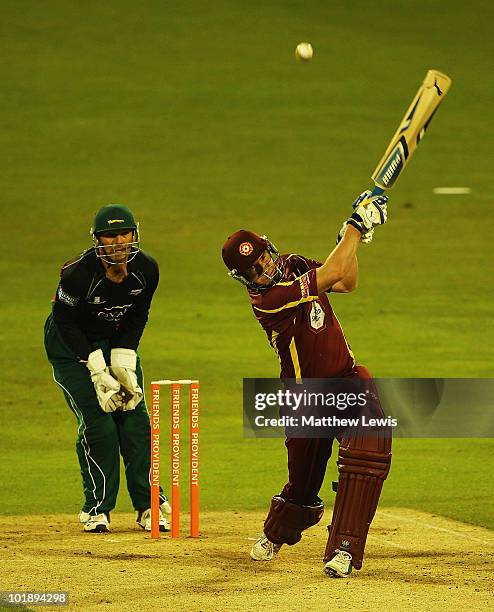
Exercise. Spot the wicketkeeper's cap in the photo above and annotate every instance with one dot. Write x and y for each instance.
(242, 249)
(113, 217)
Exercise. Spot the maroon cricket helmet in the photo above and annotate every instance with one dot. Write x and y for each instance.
(242, 249)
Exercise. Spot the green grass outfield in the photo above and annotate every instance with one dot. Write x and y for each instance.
(198, 117)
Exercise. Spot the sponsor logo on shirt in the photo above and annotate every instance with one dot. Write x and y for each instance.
(113, 314)
(135, 291)
(304, 285)
(66, 298)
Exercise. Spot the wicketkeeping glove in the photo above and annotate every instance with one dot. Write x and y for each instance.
(106, 386)
(369, 213)
(123, 368)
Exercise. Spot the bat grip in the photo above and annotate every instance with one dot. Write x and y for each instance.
(377, 191)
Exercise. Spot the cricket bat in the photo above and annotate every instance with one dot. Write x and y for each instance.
(411, 130)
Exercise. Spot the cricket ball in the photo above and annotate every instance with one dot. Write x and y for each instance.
(304, 51)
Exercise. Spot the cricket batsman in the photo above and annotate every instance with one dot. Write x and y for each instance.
(91, 338)
(289, 298)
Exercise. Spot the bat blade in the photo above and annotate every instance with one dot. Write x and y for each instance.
(411, 129)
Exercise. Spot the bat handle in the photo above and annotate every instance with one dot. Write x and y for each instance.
(377, 191)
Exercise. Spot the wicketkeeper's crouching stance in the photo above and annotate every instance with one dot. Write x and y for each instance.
(288, 296)
(91, 338)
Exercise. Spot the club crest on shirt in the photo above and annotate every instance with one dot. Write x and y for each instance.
(316, 316)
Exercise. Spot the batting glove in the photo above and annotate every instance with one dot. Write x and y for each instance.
(369, 212)
(341, 233)
(106, 386)
(123, 368)
(367, 237)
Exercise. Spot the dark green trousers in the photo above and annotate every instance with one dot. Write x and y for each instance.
(102, 437)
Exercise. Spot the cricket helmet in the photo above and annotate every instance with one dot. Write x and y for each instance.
(114, 218)
(240, 252)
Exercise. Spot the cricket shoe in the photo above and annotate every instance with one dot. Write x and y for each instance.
(264, 549)
(340, 566)
(144, 518)
(95, 524)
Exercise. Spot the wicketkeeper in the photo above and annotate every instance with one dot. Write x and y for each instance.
(288, 294)
(91, 337)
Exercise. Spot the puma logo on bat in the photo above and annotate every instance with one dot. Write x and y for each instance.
(439, 92)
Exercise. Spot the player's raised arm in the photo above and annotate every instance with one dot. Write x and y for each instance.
(340, 264)
(337, 276)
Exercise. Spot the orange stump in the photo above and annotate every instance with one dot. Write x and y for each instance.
(175, 456)
(175, 459)
(154, 475)
(194, 460)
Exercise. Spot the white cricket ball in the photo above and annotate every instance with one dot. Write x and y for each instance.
(304, 51)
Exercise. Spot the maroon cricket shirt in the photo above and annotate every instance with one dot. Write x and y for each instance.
(301, 325)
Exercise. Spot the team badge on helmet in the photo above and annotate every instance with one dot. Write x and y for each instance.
(240, 253)
(245, 248)
(114, 218)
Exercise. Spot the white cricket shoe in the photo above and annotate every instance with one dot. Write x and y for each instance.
(264, 549)
(340, 566)
(144, 518)
(95, 524)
